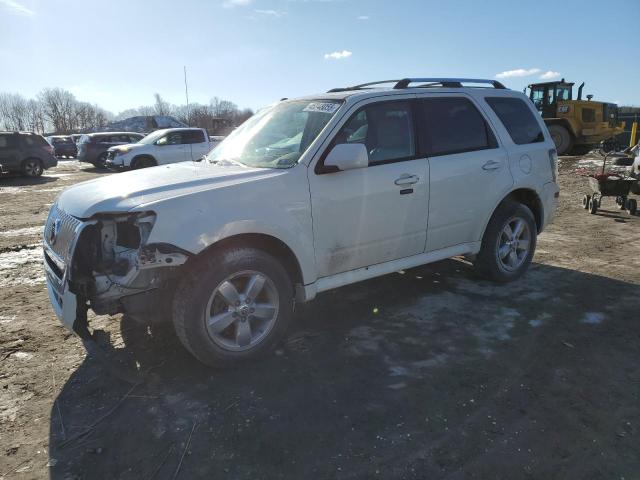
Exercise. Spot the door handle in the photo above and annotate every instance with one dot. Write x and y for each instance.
(407, 179)
(491, 165)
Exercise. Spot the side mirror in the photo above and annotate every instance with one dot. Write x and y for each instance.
(347, 156)
(162, 141)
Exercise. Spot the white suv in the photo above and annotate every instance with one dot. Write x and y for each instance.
(308, 195)
(169, 145)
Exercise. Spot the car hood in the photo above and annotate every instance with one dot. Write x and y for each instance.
(128, 146)
(126, 191)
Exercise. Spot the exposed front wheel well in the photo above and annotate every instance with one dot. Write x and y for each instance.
(529, 198)
(271, 245)
(143, 161)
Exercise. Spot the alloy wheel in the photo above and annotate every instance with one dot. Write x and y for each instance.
(32, 168)
(514, 244)
(242, 310)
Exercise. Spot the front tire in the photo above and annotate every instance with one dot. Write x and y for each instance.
(508, 244)
(102, 160)
(142, 162)
(233, 306)
(32, 167)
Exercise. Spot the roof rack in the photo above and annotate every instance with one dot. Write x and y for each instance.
(425, 83)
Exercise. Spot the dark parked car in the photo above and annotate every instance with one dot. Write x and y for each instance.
(92, 147)
(63, 146)
(27, 153)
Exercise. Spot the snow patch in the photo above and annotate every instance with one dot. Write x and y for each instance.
(16, 267)
(22, 355)
(11, 190)
(19, 232)
(536, 322)
(593, 318)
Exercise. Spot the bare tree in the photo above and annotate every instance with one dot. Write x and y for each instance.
(13, 111)
(36, 119)
(58, 105)
(161, 107)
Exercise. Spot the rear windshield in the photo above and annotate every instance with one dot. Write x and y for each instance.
(61, 140)
(518, 119)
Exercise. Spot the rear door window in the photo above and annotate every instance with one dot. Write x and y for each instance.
(453, 125)
(518, 119)
(193, 136)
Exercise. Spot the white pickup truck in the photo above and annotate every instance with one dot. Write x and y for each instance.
(170, 145)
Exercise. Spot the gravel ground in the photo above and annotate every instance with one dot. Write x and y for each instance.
(428, 373)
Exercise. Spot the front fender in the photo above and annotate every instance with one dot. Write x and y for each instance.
(278, 206)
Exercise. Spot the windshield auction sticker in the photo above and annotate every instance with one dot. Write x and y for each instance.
(322, 107)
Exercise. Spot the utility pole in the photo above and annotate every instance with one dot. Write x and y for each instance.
(186, 93)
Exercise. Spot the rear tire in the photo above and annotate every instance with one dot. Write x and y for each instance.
(593, 206)
(562, 138)
(585, 202)
(632, 206)
(508, 244)
(215, 306)
(32, 167)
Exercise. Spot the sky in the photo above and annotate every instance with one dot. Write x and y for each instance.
(254, 52)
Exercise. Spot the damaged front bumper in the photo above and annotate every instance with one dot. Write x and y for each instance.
(105, 264)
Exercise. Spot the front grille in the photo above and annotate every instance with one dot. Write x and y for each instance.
(60, 232)
(111, 155)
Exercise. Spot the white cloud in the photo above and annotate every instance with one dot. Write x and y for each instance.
(362, 17)
(338, 55)
(233, 3)
(549, 74)
(16, 7)
(518, 72)
(270, 13)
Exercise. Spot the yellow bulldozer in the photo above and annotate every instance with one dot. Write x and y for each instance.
(575, 125)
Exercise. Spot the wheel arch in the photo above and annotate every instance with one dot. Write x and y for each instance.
(267, 243)
(135, 159)
(31, 157)
(526, 196)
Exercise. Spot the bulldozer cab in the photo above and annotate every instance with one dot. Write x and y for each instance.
(545, 96)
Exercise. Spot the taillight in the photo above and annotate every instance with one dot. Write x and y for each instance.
(49, 148)
(553, 161)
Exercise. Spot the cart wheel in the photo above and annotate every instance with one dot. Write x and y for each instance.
(622, 202)
(632, 206)
(593, 205)
(585, 202)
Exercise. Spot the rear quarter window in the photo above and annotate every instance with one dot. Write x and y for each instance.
(517, 118)
(193, 136)
(34, 141)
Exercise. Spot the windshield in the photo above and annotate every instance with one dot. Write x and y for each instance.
(277, 136)
(152, 137)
